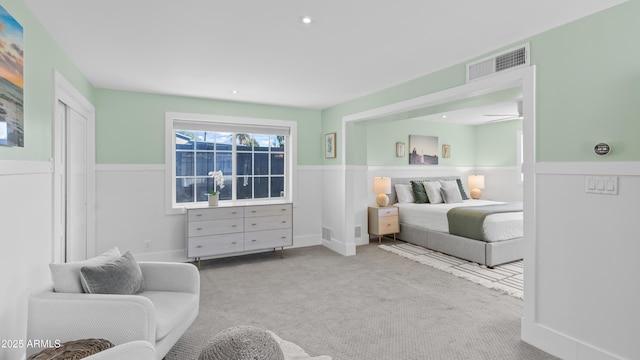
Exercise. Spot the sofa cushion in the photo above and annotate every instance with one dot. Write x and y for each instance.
(171, 309)
(121, 276)
(66, 277)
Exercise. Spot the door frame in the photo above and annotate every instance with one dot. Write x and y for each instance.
(65, 92)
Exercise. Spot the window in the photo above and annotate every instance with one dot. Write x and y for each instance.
(254, 156)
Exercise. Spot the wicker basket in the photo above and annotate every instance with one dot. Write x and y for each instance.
(72, 350)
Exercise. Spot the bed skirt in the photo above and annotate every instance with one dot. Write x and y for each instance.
(481, 252)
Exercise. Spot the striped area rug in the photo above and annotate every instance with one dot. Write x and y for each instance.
(506, 278)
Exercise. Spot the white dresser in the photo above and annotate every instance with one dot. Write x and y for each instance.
(233, 230)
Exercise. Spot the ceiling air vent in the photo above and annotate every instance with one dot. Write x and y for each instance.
(505, 60)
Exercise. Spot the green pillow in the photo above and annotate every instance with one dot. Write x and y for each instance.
(462, 193)
(419, 194)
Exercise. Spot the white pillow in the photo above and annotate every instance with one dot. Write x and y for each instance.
(451, 194)
(449, 183)
(404, 193)
(433, 191)
(66, 277)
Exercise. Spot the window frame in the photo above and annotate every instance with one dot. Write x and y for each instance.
(173, 121)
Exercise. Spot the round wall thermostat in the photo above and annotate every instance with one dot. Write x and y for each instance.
(602, 149)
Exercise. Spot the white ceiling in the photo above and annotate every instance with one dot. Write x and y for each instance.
(208, 48)
(495, 112)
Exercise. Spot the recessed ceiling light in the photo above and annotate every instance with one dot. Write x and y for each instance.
(307, 20)
(444, 116)
(235, 91)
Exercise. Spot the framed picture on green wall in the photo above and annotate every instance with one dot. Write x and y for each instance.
(424, 150)
(11, 81)
(330, 145)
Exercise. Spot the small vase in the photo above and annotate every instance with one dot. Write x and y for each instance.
(213, 199)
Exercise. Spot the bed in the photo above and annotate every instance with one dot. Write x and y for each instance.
(497, 240)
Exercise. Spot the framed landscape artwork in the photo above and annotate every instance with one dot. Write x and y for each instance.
(423, 150)
(11, 81)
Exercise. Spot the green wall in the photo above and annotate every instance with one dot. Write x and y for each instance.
(496, 143)
(587, 88)
(382, 140)
(41, 56)
(471, 145)
(130, 126)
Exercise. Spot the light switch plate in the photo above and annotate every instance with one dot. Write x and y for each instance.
(602, 185)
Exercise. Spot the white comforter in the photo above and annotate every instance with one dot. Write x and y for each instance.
(497, 227)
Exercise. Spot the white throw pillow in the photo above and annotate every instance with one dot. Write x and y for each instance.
(433, 191)
(449, 183)
(66, 277)
(451, 194)
(404, 193)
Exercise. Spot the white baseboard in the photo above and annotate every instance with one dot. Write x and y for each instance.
(561, 345)
(340, 247)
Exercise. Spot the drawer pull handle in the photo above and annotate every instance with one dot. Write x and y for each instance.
(284, 221)
(233, 243)
(285, 209)
(254, 240)
(284, 237)
(254, 211)
(199, 246)
(234, 225)
(199, 229)
(254, 224)
(198, 214)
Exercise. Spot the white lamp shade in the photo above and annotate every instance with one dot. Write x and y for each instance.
(381, 185)
(476, 181)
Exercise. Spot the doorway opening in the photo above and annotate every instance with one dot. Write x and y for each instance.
(523, 78)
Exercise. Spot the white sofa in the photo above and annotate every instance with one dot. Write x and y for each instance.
(160, 315)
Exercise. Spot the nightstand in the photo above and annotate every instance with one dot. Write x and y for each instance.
(383, 221)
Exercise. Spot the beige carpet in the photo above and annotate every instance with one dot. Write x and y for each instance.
(375, 305)
(507, 278)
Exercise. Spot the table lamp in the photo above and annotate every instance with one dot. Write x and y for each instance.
(382, 187)
(476, 182)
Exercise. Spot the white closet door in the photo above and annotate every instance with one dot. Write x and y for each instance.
(76, 186)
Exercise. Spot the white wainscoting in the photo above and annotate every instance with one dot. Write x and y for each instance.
(131, 212)
(25, 218)
(581, 283)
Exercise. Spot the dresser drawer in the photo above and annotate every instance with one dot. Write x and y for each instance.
(267, 210)
(388, 225)
(215, 213)
(268, 239)
(214, 227)
(388, 211)
(215, 245)
(267, 222)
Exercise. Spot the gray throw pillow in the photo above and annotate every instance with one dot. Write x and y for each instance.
(122, 276)
(66, 276)
(451, 195)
